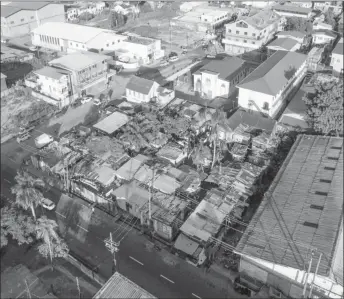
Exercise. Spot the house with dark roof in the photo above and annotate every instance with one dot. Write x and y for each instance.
(323, 36)
(294, 241)
(218, 78)
(141, 90)
(250, 33)
(337, 58)
(19, 18)
(267, 87)
(289, 10)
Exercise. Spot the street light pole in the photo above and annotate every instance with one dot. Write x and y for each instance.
(113, 247)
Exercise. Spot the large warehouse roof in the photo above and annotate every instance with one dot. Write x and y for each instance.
(302, 209)
(69, 31)
(112, 123)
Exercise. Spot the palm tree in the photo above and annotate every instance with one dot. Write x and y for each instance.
(45, 230)
(216, 123)
(27, 191)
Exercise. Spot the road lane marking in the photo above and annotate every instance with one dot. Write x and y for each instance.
(196, 296)
(83, 228)
(60, 214)
(8, 181)
(164, 277)
(136, 260)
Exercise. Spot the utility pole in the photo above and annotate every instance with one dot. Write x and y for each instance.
(27, 289)
(113, 247)
(150, 197)
(309, 270)
(316, 272)
(170, 37)
(187, 40)
(77, 284)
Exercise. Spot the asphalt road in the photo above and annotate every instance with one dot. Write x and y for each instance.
(159, 272)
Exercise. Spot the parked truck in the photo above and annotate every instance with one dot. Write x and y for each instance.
(43, 140)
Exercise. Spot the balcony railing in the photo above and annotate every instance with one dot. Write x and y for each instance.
(234, 35)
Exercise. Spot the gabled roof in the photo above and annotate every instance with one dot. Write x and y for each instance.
(3, 76)
(78, 61)
(283, 43)
(119, 286)
(324, 32)
(261, 19)
(13, 7)
(112, 123)
(49, 72)
(269, 77)
(224, 68)
(140, 85)
(292, 8)
(338, 48)
(302, 209)
(296, 34)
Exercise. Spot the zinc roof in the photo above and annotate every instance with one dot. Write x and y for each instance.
(284, 43)
(69, 31)
(119, 286)
(78, 61)
(49, 72)
(338, 48)
(262, 19)
(140, 85)
(296, 34)
(292, 8)
(269, 77)
(13, 7)
(112, 123)
(302, 209)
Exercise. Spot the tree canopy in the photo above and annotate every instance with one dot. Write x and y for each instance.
(325, 108)
(298, 24)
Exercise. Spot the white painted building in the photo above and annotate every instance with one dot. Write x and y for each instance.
(299, 224)
(19, 18)
(219, 78)
(67, 37)
(140, 90)
(267, 87)
(323, 37)
(250, 33)
(337, 58)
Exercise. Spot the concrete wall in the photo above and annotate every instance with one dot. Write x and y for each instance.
(3, 84)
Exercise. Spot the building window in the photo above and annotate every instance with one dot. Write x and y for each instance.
(245, 33)
(77, 45)
(101, 50)
(12, 22)
(32, 17)
(237, 32)
(83, 46)
(71, 44)
(229, 31)
(245, 41)
(253, 34)
(253, 43)
(107, 45)
(22, 20)
(113, 43)
(266, 106)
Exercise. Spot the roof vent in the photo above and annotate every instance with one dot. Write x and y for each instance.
(325, 181)
(321, 193)
(329, 168)
(336, 147)
(316, 207)
(332, 158)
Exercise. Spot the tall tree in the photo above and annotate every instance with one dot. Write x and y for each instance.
(19, 226)
(53, 246)
(27, 191)
(325, 108)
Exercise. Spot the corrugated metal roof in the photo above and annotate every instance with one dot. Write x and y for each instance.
(49, 72)
(119, 286)
(291, 33)
(69, 31)
(338, 48)
(269, 77)
(302, 208)
(292, 8)
(78, 61)
(112, 123)
(13, 7)
(284, 43)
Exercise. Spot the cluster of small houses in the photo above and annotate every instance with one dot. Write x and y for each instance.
(179, 205)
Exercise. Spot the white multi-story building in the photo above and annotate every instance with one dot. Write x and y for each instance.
(142, 49)
(19, 18)
(66, 37)
(267, 87)
(219, 78)
(323, 37)
(251, 33)
(337, 58)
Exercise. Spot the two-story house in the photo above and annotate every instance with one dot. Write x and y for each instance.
(250, 33)
(219, 78)
(140, 90)
(54, 84)
(86, 71)
(337, 58)
(321, 37)
(289, 10)
(267, 87)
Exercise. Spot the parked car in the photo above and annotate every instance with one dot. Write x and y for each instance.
(48, 204)
(23, 137)
(97, 102)
(164, 63)
(23, 130)
(211, 56)
(184, 52)
(86, 100)
(174, 58)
